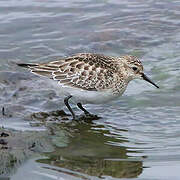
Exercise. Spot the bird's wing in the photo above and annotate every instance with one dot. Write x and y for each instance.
(81, 71)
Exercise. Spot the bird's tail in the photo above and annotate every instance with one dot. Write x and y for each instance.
(26, 65)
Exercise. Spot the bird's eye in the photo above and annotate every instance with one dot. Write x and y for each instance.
(134, 68)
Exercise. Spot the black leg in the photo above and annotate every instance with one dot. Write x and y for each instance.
(83, 109)
(68, 106)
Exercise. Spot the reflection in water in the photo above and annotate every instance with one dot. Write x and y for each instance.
(88, 151)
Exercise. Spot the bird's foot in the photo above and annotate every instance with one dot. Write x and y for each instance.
(86, 117)
(75, 118)
(91, 116)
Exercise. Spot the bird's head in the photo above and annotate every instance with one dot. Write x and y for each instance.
(134, 69)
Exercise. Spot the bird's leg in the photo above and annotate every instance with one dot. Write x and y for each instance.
(87, 114)
(83, 109)
(66, 99)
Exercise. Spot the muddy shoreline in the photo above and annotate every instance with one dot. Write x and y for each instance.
(18, 146)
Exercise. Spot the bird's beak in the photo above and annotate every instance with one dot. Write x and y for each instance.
(148, 80)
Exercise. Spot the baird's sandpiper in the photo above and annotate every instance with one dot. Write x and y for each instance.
(91, 78)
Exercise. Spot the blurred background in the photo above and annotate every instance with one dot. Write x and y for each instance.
(138, 135)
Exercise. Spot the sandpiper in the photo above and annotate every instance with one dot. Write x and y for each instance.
(88, 78)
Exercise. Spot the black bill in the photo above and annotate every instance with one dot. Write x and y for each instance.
(148, 80)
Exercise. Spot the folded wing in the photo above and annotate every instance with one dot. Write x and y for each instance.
(80, 71)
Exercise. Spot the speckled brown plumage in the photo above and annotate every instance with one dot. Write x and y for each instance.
(87, 71)
(92, 72)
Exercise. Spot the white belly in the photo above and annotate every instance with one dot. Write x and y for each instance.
(84, 96)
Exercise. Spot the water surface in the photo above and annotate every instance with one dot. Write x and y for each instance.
(138, 135)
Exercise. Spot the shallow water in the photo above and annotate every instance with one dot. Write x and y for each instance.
(138, 134)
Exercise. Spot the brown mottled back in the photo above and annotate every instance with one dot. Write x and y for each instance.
(86, 71)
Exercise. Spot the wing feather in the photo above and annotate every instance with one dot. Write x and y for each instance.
(85, 71)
